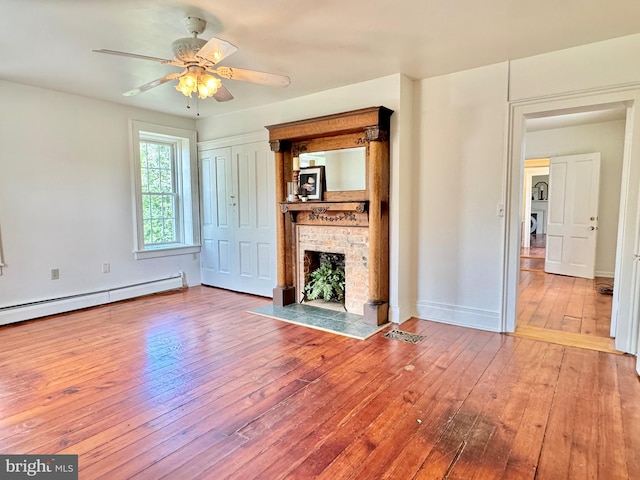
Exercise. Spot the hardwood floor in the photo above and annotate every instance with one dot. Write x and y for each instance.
(189, 385)
(557, 308)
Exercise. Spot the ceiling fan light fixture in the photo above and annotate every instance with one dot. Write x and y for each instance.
(197, 56)
(187, 84)
(204, 84)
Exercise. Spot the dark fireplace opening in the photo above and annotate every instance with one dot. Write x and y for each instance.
(324, 278)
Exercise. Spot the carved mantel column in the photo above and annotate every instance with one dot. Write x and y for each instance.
(376, 308)
(284, 291)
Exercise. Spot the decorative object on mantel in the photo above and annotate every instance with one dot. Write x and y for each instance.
(292, 192)
(312, 182)
(359, 207)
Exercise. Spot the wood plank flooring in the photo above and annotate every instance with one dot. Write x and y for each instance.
(189, 385)
(567, 310)
(568, 304)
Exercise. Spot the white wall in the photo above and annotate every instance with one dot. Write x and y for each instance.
(608, 139)
(383, 91)
(65, 196)
(391, 92)
(461, 137)
(579, 69)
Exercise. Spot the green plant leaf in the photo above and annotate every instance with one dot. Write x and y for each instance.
(326, 282)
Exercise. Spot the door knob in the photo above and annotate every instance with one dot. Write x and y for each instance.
(592, 228)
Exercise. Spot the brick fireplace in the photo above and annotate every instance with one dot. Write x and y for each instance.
(353, 243)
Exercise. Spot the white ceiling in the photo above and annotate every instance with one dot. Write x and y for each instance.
(320, 44)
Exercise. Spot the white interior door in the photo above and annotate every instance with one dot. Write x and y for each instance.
(238, 218)
(217, 218)
(572, 222)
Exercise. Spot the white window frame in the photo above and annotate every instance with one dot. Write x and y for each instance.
(187, 185)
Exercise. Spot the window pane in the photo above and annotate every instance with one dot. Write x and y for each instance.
(165, 181)
(152, 155)
(168, 207)
(147, 232)
(144, 179)
(169, 232)
(156, 206)
(146, 207)
(158, 191)
(154, 180)
(156, 231)
(166, 158)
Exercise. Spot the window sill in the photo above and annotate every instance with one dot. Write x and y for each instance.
(166, 251)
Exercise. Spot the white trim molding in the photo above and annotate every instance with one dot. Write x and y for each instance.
(456, 315)
(235, 140)
(185, 142)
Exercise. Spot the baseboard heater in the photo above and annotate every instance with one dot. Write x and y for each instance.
(43, 308)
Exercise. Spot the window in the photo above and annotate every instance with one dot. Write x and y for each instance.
(159, 193)
(166, 191)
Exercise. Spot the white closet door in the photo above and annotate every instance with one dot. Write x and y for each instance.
(238, 218)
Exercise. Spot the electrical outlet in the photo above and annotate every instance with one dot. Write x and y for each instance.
(55, 274)
(106, 267)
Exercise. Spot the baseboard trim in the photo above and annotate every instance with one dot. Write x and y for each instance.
(399, 314)
(461, 316)
(54, 306)
(605, 274)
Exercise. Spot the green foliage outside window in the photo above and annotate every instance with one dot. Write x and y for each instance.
(159, 195)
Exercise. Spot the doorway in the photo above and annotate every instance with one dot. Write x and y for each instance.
(623, 325)
(558, 298)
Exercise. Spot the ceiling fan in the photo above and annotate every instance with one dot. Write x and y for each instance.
(199, 59)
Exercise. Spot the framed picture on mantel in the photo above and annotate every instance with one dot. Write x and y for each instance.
(311, 182)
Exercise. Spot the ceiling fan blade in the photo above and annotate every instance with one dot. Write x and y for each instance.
(154, 83)
(215, 50)
(141, 57)
(223, 95)
(263, 78)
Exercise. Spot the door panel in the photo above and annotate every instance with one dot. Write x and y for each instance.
(256, 217)
(573, 215)
(217, 227)
(223, 183)
(265, 261)
(224, 257)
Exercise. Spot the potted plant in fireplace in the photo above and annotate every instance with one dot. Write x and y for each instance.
(326, 283)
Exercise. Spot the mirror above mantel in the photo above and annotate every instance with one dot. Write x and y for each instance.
(345, 169)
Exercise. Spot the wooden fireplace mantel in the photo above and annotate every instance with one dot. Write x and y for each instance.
(368, 208)
(352, 214)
